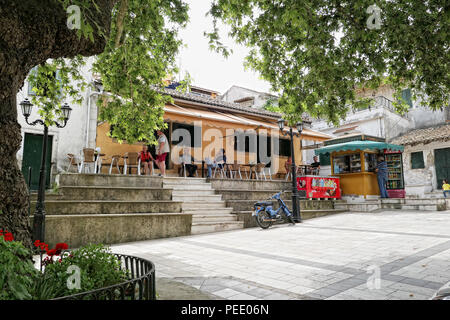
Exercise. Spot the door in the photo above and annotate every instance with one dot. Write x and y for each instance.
(442, 163)
(32, 154)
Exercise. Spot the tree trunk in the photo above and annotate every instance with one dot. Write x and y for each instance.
(13, 189)
(32, 31)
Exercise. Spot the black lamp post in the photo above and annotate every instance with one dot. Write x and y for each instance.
(295, 203)
(39, 214)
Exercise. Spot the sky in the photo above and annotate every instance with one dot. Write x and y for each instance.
(207, 68)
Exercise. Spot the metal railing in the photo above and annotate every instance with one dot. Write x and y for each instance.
(140, 286)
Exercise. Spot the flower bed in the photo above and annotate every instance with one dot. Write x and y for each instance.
(90, 272)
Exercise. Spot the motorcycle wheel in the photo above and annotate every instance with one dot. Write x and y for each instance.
(260, 217)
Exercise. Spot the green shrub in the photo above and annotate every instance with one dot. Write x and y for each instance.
(17, 272)
(98, 268)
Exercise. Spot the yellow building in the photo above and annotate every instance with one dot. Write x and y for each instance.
(248, 135)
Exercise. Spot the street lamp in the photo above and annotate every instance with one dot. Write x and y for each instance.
(39, 214)
(295, 203)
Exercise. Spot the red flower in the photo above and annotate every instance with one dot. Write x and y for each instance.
(51, 252)
(61, 246)
(37, 243)
(6, 235)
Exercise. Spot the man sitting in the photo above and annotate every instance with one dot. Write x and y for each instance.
(187, 162)
(315, 166)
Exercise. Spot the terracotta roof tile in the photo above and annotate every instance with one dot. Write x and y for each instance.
(426, 135)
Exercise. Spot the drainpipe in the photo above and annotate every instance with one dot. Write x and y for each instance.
(91, 94)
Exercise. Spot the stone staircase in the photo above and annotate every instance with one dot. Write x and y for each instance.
(209, 211)
(108, 209)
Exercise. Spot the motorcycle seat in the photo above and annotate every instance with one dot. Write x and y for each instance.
(264, 203)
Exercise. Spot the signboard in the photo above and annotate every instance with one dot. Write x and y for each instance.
(319, 187)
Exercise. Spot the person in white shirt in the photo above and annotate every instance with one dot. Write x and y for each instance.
(187, 160)
(161, 152)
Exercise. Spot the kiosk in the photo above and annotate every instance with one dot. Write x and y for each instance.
(354, 159)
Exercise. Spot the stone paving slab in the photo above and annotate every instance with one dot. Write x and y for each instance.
(333, 257)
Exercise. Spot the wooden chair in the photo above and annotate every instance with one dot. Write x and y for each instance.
(132, 160)
(115, 162)
(235, 169)
(88, 158)
(260, 171)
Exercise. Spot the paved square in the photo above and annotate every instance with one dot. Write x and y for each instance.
(383, 255)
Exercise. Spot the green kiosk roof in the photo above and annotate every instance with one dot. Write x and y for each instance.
(358, 145)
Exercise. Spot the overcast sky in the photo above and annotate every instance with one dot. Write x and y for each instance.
(209, 69)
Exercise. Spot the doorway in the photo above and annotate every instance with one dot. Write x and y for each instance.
(442, 163)
(32, 154)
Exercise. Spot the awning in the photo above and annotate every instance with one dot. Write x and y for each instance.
(358, 145)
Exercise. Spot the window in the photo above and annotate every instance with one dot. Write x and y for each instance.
(417, 160)
(406, 97)
(285, 147)
(194, 132)
(242, 142)
(347, 163)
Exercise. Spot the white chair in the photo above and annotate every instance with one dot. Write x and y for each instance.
(73, 161)
(222, 170)
(259, 171)
(87, 159)
(114, 161)
(132, 160)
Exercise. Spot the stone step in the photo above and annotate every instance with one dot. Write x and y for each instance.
(113, 193)
(243, 205)
(256, 195)
(236, 184)
(429, 207)
(250, 222)
(181, 180)
(107, 180)
(208, 227)
(68, 207)
(203, 211)
(183, 193)
(194, 197)
(175, 186)
(198, 218)
(210, 205)
(79, 230)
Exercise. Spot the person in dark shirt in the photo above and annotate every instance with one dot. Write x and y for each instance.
(315, 166)
(382, 176)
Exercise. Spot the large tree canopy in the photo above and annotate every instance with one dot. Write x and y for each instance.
(316, 52)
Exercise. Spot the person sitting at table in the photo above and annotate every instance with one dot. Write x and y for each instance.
(187, 161)
(146, 159)
(218, 162)
(315, 166)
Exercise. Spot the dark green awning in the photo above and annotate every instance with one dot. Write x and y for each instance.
(358, 145)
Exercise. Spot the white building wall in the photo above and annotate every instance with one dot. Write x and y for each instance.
(70, 139)
(236, 93)
(420, 181)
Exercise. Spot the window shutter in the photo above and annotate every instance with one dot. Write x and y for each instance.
(417, 160)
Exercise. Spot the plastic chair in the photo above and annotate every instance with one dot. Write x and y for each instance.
(72, 161)
(132, 160)
(259, 170)
(115, 161)
(88, 158)
(235, 168)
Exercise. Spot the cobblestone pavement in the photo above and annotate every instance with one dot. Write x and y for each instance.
(384, 255)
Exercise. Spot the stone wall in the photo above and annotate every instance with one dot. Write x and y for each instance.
(420, 181)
